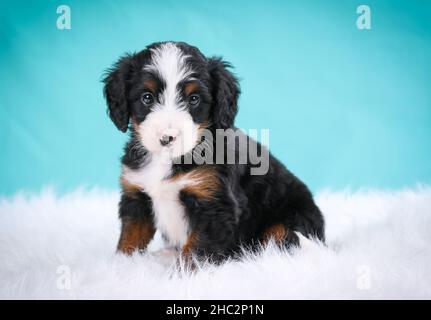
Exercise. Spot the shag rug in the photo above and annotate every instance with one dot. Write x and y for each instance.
(63, 247)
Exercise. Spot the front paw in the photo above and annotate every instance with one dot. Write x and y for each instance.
(127, 250)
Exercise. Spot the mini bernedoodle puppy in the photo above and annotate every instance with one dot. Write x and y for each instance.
(167, 95)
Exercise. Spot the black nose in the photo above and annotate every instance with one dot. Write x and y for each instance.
(165, 140)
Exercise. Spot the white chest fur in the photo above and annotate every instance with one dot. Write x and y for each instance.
(168, 210)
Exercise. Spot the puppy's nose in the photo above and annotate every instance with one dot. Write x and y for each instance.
(166, 139)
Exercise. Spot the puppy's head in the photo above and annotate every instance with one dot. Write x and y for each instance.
(169, 92)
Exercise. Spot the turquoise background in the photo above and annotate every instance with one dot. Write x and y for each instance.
(344, 107)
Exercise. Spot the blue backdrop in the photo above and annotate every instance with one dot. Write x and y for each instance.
(345, 107)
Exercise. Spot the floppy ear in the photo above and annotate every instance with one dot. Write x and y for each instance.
(115, 92)
(225, 93)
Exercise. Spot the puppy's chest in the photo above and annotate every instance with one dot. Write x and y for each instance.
(168, 210)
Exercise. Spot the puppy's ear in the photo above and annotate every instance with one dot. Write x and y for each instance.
(115, 91)
(225, 93)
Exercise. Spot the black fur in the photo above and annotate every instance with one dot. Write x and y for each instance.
(225, 93)
(246, 205)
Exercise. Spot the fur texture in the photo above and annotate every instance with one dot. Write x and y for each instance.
(378, 247)
(166, 94)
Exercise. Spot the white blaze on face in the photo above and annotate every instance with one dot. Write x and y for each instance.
(169, 116)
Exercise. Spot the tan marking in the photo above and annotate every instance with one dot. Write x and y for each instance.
(135, 124)
(192, 240)
(190, 87)
(150, 85)
(203, 126)
(128, 187)
(135, 234)
(203, 182)
(277, 232)
(187, 252)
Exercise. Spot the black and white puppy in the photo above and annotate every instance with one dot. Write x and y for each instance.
(167, 95)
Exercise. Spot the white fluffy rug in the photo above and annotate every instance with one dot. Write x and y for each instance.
(379, 247)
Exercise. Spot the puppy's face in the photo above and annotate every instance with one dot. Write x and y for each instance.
(171, 101)
(169, 92)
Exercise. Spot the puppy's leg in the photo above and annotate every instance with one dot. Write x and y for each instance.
(187, 251)
(137, 226)
(136, 233)
(300, 212)
(211, 210)
(190, 245)
(281, 235)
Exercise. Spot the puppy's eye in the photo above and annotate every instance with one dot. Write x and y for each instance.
(147, 99)
(194, 100)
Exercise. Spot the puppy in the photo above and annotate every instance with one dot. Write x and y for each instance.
(172, 98)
